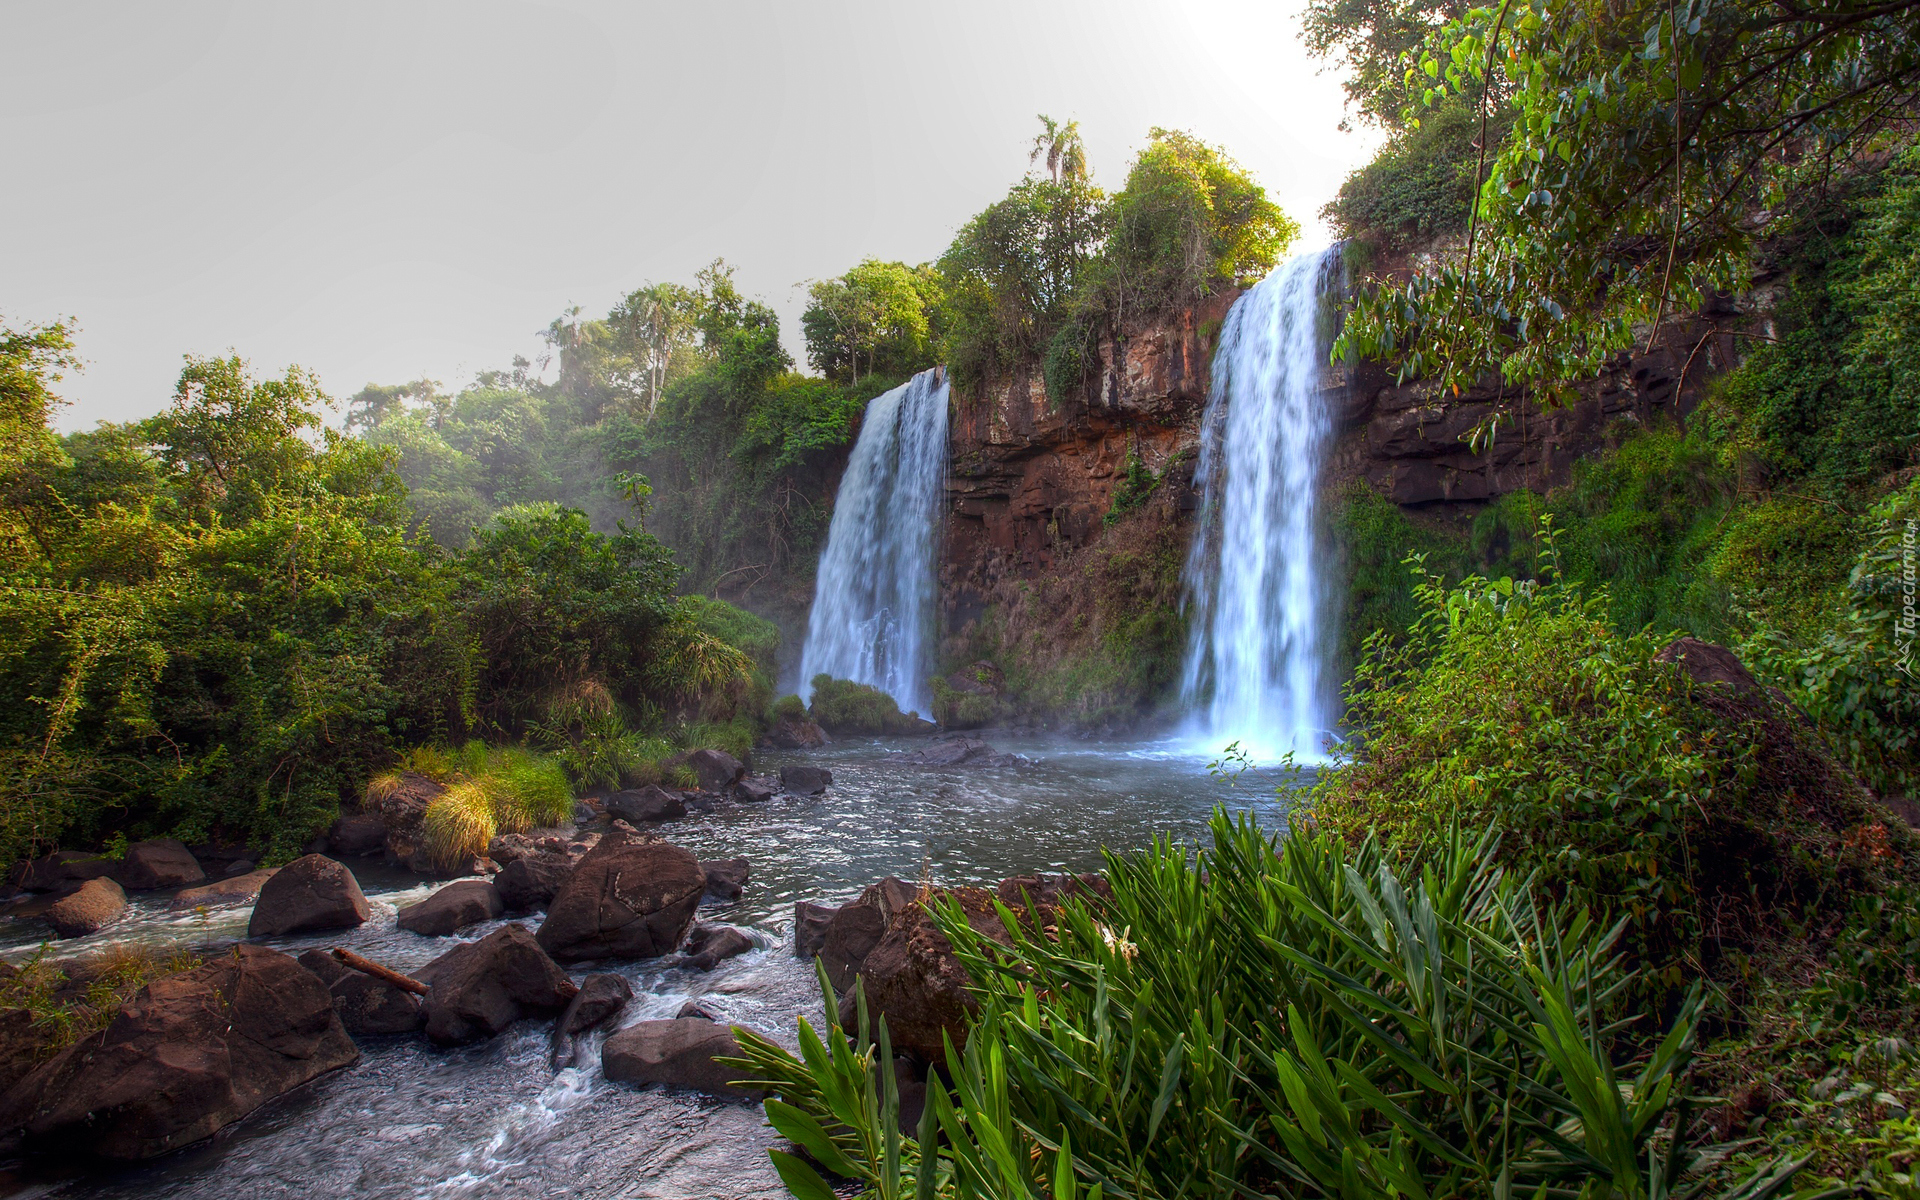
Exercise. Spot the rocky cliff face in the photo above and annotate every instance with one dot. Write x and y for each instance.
(1030, 479)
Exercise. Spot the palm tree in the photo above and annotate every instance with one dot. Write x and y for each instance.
(1059, 143)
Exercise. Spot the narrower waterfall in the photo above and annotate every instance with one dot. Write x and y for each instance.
(872, 619)
(1257, 592)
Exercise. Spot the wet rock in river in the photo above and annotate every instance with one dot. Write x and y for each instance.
(90, 908)
(309, 893)
(726, 877)
(367, 1006)
(709, 945)
(235, 889)
(754, 789)
(529, 882)
(190, 1054)
(629, 897)
(163, 863)
(23, 1041)
(677, 1053)
(59, 870)
(453, 908)
(961, 751)
(358, 835)
(917, 982)
(857, 928)
(810, 922)
(478, 989)
(642, 805)
(796, 733)
(602, 997)
(806, 781)
(716, 769)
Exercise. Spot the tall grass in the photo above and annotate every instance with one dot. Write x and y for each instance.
(490, 791)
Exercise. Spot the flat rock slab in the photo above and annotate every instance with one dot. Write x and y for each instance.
(678, 1053)
(88, 910)
(453, 908)
(806, 781)
(164, 863)
(235, 889)
(645, 804)
(307, 894)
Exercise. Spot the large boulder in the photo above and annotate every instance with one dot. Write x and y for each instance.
(308, 893)
(917, 982)
(1707, 663)
(810, 924)
(478, 989)
(795, 733)
(190, 1054)
(754, 789)
(23, 1042)
(726, 877)
(630, 897)
(716, 769)
(88, 909)
(163, 863)
(452, 908)
(857, 928)
(367, 1006)
(806, 781)
(641, 805)
(677, 1053)
(602, 997)
(235, 889)
(358, 835)
(530, 881)
(61, 869)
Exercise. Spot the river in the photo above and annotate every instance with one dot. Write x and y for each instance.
(495, 1120)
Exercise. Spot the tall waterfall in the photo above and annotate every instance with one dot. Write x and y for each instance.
(872, 619)
(1257, 591)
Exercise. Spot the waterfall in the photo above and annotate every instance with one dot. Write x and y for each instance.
(872, 619)
(1256, 591)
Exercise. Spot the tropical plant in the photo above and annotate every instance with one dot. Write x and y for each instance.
(1271, 1018)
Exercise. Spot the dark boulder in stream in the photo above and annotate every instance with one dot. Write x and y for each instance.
(810, 924)
(164, 863)
(530, 881)
(677, 1053)
(917, 982)
(88, 909)
(602, 997)
(645, 804)
(959, 751)
(367, 1006)
(453, 908)
(61, 869)
(709, 945)
(806, 781)
(630, 897)
(856, 928)
(479, 989)
(308, 893)
(716, 769)
(234, 889)
(188, 1055)
(726, 877)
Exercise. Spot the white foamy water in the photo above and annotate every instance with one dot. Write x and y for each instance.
(872, 618)
(1257, 592)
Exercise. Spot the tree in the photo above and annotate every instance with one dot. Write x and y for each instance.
(877, 313)
(1060, 145)
(1371, 38)
(1652, 145)
(657, 321)
(373, 404)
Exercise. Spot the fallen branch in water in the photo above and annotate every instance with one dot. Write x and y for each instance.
(367, 966)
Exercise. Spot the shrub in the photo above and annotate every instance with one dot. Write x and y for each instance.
(735, 737)
(489, 792)
(1700, 814)
(1419, 186)
(845, 707)
(955, 709)
(1297, 1019)
(787, 708)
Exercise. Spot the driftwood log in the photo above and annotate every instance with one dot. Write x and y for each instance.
(367, 966)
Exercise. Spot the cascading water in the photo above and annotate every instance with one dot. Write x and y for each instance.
(1256, 669)
(872, 613)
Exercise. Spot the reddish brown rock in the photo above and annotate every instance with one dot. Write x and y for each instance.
(88, 910)
(479, 989)
(628, 898)
(917, 982)
(308, 893)
(164, 863)
(190, 1054)
(452, 908)
(235, 889)
(678, 1053)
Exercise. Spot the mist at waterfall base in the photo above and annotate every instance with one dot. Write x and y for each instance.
(1257, 579)
(872, 616)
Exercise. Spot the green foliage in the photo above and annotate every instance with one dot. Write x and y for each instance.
(842, 706)
(787, 708)
(492, 791)
(956, 709)
(1832, 399)
(1519, 706)
(1371, 38)
(1375, 538)
(1287, 1019)
(876, 316)
(1644, 138)
(1136, 488)
(1854, 674)
(1419, 187)
(74, 999)
(736, 737)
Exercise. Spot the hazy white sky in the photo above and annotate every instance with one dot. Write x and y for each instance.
(381, 191)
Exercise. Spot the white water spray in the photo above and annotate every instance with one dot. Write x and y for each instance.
(1256, 669)
(872, 619)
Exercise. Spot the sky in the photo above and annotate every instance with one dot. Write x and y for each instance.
(382, 192)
